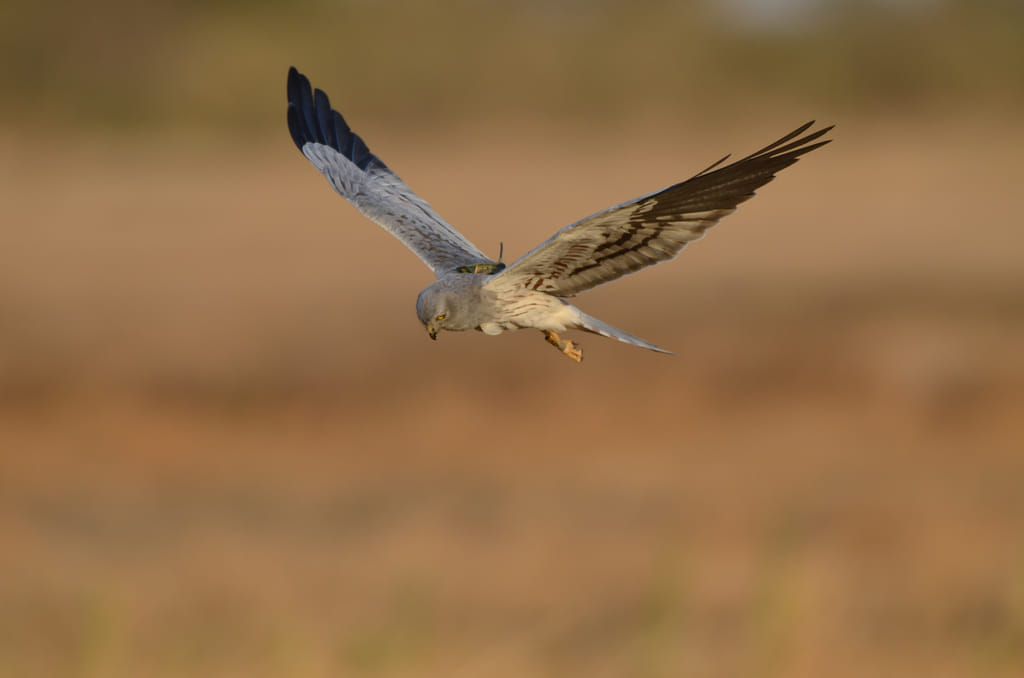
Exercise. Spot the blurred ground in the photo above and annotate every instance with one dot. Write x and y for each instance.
(224, 452)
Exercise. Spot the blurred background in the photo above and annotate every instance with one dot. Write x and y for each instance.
(227, 447)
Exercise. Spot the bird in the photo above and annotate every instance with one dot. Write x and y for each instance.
(474, 292)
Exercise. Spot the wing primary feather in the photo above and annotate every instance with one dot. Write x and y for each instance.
(713, 165)
(308, 109)
(324, 119)
(295, 127)
(775, 144)
(359, 153)
(803, 145)
(294, 85)
(339, 126)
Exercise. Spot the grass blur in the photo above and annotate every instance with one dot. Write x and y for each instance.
(223, 453)
(119, 64)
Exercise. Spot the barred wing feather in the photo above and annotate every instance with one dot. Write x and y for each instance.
(652, 228)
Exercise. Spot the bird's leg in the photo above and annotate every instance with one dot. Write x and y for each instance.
(567, 347)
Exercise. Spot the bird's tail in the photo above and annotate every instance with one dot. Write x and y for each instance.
(592, 324)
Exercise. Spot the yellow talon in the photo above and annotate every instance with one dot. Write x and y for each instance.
(569, 348)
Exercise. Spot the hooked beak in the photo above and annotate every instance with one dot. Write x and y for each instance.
(432, 332)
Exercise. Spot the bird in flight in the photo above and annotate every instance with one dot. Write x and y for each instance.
(473, 292)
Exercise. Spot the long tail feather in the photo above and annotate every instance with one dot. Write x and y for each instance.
(592, 324)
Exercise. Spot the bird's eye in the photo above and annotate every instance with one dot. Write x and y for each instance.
(441, 317)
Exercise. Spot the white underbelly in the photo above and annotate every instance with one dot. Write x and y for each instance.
(556, 317)
(539, 311)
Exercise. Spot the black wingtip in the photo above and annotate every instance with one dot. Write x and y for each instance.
(781, 153)
(300, 100)
(312, 120)
(295, 127)
(794, 141)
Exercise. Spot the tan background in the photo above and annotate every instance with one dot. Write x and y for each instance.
(223, 452)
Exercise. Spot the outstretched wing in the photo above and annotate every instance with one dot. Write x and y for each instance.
(361, 178)
(652, 228)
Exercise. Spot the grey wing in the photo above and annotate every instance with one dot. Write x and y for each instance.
(360, 177)
(652, 228)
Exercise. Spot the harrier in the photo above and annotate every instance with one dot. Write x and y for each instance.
(473, 292)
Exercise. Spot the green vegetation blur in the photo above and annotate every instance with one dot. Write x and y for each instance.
(202, 64)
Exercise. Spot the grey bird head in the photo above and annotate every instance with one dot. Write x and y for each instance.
(451, 303)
